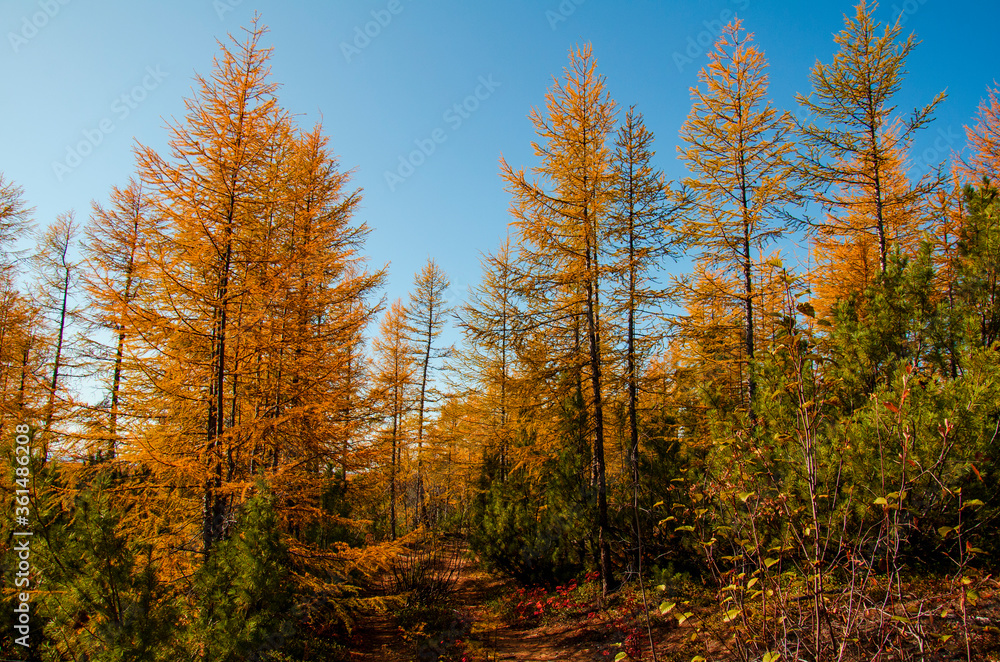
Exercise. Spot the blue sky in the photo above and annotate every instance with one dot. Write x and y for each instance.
(109, 73)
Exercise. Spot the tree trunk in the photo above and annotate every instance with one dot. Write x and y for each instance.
(593, 340)
(633, 393)
(421, 510)
(215, 506)
(56, 364)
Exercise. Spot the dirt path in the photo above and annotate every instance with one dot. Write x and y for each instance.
(498, 641)
(484, 635)
(472, 631)
(379, 637)
(550, 643)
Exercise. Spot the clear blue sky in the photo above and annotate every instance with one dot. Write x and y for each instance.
(68, 63)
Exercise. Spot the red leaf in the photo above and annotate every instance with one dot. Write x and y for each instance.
(977, 472)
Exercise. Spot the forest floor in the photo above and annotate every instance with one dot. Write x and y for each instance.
(485, 618)
(467, 626)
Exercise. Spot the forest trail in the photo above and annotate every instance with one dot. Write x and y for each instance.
(503, 642)
(483, 635)
(377, 638)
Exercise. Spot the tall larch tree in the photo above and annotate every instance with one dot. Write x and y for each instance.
(57, 269)
(736, 145)
(427, 313)
(395, 381)
(854, 135)
(983, 159)
(319, 294)
(15, 221)
(21, 353)
(642, 236)
(259, 290)
(213, 193)
(18, 314)
(561, 218)
(489, 323)
(848, 262)
(112, 275)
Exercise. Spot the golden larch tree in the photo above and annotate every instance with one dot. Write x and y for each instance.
(983, 138)
(846, 250)
(854, 139)
(426, 315)
(561, 219)
(642, 236)
(256, 302)
(395, 385)
(112, 276)
(737, 147)
(57, 276)
(489, 323)
(20, 344)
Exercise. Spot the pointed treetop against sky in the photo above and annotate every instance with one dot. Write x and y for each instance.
(430, 92)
